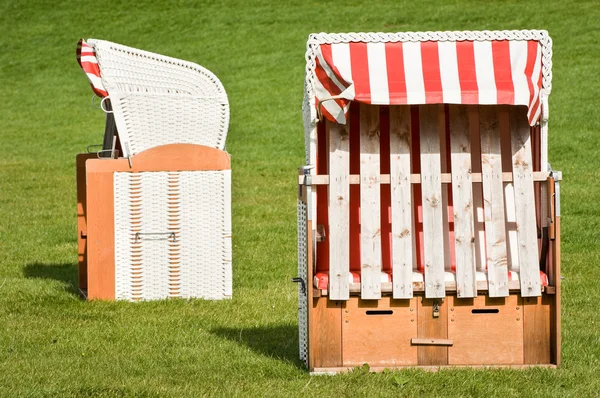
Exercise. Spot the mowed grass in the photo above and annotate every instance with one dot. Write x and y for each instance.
(54, 344)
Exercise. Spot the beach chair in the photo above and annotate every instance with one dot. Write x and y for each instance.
(428, 214)
(155, 221)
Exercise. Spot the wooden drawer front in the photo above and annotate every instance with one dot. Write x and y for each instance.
(485, 331)
(378, 332)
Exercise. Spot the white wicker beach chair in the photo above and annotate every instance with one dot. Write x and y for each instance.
(156, 223)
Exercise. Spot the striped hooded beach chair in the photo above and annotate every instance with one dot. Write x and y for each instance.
(428, 214)
(154, 222)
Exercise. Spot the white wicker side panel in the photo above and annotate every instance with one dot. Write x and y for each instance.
(126, 185)
(205, 234)
(227, 232)
(142, 236)
(302, 273)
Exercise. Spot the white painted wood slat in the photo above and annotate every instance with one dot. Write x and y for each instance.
(339, 213)
(493, 198)
(462, 199)
(370, 203)
(401, 202)
(525, 203)
(431, 188)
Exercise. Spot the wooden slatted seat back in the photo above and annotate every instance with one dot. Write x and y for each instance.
(431, 189)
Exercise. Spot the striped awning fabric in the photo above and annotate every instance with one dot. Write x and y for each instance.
(428, 72)
(86, 56)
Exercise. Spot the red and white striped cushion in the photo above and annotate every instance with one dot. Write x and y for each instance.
(86, 57)
(428, 72)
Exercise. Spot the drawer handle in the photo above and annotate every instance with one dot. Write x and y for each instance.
(485, 311)
(156, 235)
(380, 312)
(438, 342)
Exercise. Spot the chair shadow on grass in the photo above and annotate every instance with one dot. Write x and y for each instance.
(279, 342)
(66, 273)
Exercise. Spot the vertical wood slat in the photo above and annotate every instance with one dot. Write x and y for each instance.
(479, 216)
(509, 192)
(339, 211)
(433, 241)
(370, 202)
(401, 202)
(444, 145)
(462, 195)
(524, 204)
(493, 198)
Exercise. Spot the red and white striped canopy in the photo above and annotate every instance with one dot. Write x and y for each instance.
(86, 56)
(428, 72)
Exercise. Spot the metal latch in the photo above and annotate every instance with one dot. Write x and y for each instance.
(436, 309)
(302, 284)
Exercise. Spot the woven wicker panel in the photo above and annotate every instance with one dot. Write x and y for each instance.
(173, 235)
(142, 235)
(160, 100)
(205, 234)
(302, 273)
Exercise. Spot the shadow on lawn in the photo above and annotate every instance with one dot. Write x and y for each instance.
(275, 341)
(65, 273)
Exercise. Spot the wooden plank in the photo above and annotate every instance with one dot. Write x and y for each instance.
(493, 199)
(375, 369)
(445, 178)
(537, 330)
(326, 333)
(401, 193)
(444, 168)
(430, 327)
(479, 217)
(101, 233)
(462, 195)
(379, 332)
(370, 201)
(81, 220)
(525, 203)
(486, 331)
(339, 211)
(512, 251)
(431, 186)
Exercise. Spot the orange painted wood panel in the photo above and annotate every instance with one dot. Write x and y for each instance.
(326, 333)
(379, 332)
(81, 219)
(537, 329)
(486, 331)
(172, 157)
(101, 234)
(430, 327)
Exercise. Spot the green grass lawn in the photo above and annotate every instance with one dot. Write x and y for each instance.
(53, 343)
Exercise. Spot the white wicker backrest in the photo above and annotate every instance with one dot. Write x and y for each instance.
(159, 100)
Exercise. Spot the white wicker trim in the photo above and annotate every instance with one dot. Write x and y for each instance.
(159, 100)
(316, 39)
